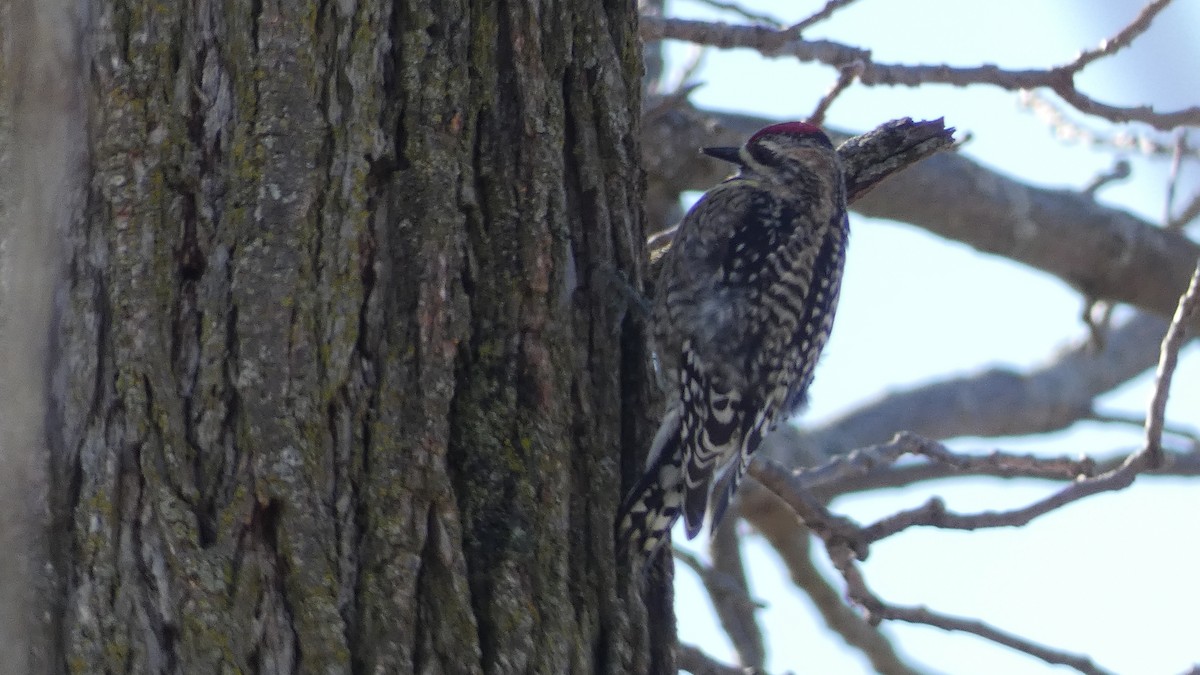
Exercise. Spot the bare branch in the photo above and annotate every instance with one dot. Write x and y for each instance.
(1171, 343)
(831, 478)
(796, 488)
(997, 403)
(934, 514)
(773, 42)
(791, 542)
(921, 615)
(846, 544)
(996, 465)
(806, 506)
(1163, 121)
(873, 468)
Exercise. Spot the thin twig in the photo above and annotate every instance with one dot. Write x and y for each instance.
(878, 610)
(1123, 38)
(934, 514)
(1187, 215)
(1119, 171)
(1140, 421)
(1185, 464)
(846, 77)
(1168, 359)
(824, 13)
(735, 8)
(923, 616)
(867, 460)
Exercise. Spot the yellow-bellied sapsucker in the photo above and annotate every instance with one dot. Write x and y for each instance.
(744, 307)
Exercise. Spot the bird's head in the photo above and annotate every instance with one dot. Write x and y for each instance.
(782, 152)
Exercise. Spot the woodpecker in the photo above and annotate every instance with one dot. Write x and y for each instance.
(744, 307)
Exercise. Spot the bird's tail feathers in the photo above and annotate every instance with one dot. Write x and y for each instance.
(654, 504)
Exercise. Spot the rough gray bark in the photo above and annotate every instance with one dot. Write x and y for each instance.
(345, 390)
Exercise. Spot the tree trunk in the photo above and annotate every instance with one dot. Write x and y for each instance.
(346, 384)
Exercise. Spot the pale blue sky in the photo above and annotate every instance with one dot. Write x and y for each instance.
(1114, 576)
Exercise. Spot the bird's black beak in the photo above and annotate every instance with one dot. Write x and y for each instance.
(728, 154)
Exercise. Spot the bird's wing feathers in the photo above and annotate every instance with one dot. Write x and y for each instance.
(711, 430)
(717, 287)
